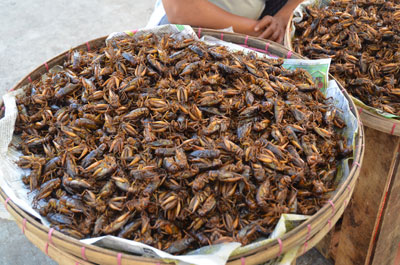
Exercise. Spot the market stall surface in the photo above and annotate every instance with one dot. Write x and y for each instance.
(36, 31)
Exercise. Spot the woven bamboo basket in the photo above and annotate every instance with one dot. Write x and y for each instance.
(67, 250)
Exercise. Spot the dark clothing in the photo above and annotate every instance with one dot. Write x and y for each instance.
(272, 7)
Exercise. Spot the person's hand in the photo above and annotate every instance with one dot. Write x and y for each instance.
(272, 28)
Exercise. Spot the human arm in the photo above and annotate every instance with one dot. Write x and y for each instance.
(203, 13)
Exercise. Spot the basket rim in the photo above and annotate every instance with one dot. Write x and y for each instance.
(273, 247)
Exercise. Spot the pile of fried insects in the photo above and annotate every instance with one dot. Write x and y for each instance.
(363, 40)
(176, 144)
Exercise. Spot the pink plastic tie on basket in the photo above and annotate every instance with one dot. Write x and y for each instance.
(289, 54)
(23, 225)
(83, 254)
(242, 261)
(47, 66)
(394, 127)
(266, 46)
(308, 232)
(88, 46)
(305, 247)
(158, 263)
(6, 203)
(246, 39)
(222, 36)
(333, 206)
(46, 248)
(76, 263)
(199, 33)
(357, 164)
(29, 79)
(333, 213)
(280, 247)
(119, 257)
(348, 188)
(307, 238)
(49, 235)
